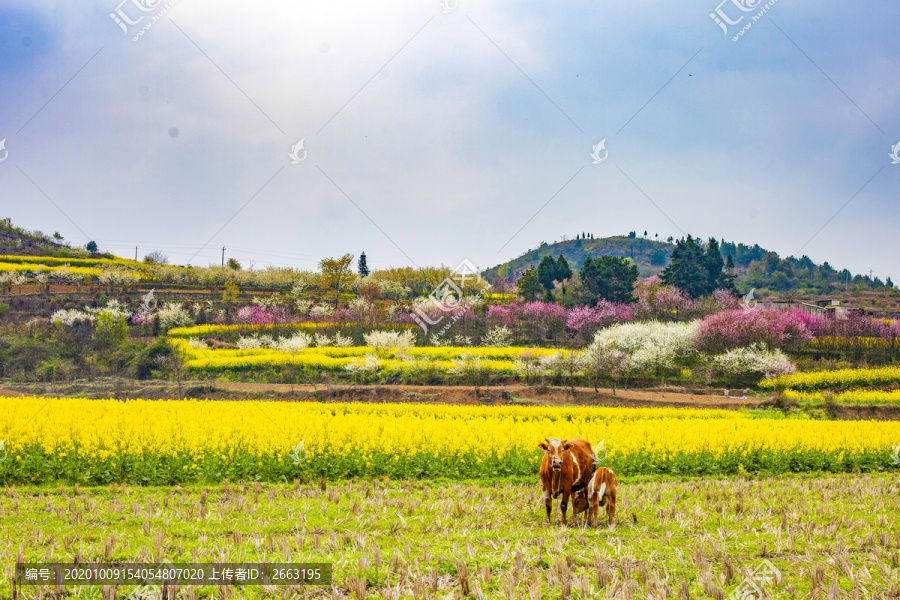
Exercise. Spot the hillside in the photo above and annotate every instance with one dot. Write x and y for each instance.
(650, 256)
(755, 267)
(21, 242)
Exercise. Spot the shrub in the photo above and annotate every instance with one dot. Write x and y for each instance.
(741, 364)
(390, 339)
(730, 329)
(652, 348)
(174, 315)
(496, 337)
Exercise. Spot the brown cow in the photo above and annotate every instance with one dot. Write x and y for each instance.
(567, 467)
(601, 492)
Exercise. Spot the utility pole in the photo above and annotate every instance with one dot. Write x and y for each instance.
(135, 254)
(223, 256)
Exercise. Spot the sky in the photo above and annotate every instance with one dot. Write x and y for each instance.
(434, 132)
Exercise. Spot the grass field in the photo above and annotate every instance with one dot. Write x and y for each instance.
(830, 536)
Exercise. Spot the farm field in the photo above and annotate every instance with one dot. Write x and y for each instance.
(184, 441)
(828, 536)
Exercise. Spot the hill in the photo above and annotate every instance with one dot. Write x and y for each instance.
(21, 242)
(755, 267)
(650, 256)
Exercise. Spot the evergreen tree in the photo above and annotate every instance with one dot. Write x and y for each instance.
(714, 265)
(563, 271)
(609, 278)
(726, 282)
(91, 246)
(547, 272)
(530, 287)
(361, 266)
(688, 270)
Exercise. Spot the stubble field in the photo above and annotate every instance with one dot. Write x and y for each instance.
(829, 536)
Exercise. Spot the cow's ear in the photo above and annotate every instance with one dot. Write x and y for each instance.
(543, 447)
(567, 447)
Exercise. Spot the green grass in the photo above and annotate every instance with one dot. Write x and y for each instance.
(413, 540)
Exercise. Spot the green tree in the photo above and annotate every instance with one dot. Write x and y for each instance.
(563, 271)
(335, 274)
(688, 270)
(233, 264)
(529, 285)
(91, 246)
(609, 278)
(547, 272)
(361, 267)
(714, 265)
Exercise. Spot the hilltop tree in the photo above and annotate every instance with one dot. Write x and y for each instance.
(361, 267)
(91, 246)
(609, 278)
(335, 274)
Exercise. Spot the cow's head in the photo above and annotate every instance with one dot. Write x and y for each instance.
(555, 449)
(579, 502)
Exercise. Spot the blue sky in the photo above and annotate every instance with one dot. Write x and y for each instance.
(432, 137)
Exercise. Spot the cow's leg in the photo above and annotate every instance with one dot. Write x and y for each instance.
(595, 509)
(564, 505)
(611, 506)
(548, 503)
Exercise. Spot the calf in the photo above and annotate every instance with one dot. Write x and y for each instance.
(601, 492)
(567, 467)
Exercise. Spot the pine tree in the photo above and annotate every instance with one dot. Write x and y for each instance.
(688, 269)
(714, 265)
(609, 278)
(361, 266)
(563, 271)
(546, 272)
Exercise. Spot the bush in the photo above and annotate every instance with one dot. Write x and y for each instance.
(774, 329)
(749, 364)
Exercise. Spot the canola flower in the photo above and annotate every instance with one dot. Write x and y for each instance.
(866, 397)
(331, 358)
(837, 379)
(59, 260)
(207, 330)
(159, 442)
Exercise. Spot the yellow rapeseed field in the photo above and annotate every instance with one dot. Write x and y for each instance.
(147, 441)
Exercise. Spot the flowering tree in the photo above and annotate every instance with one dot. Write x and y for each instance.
(786, 330)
